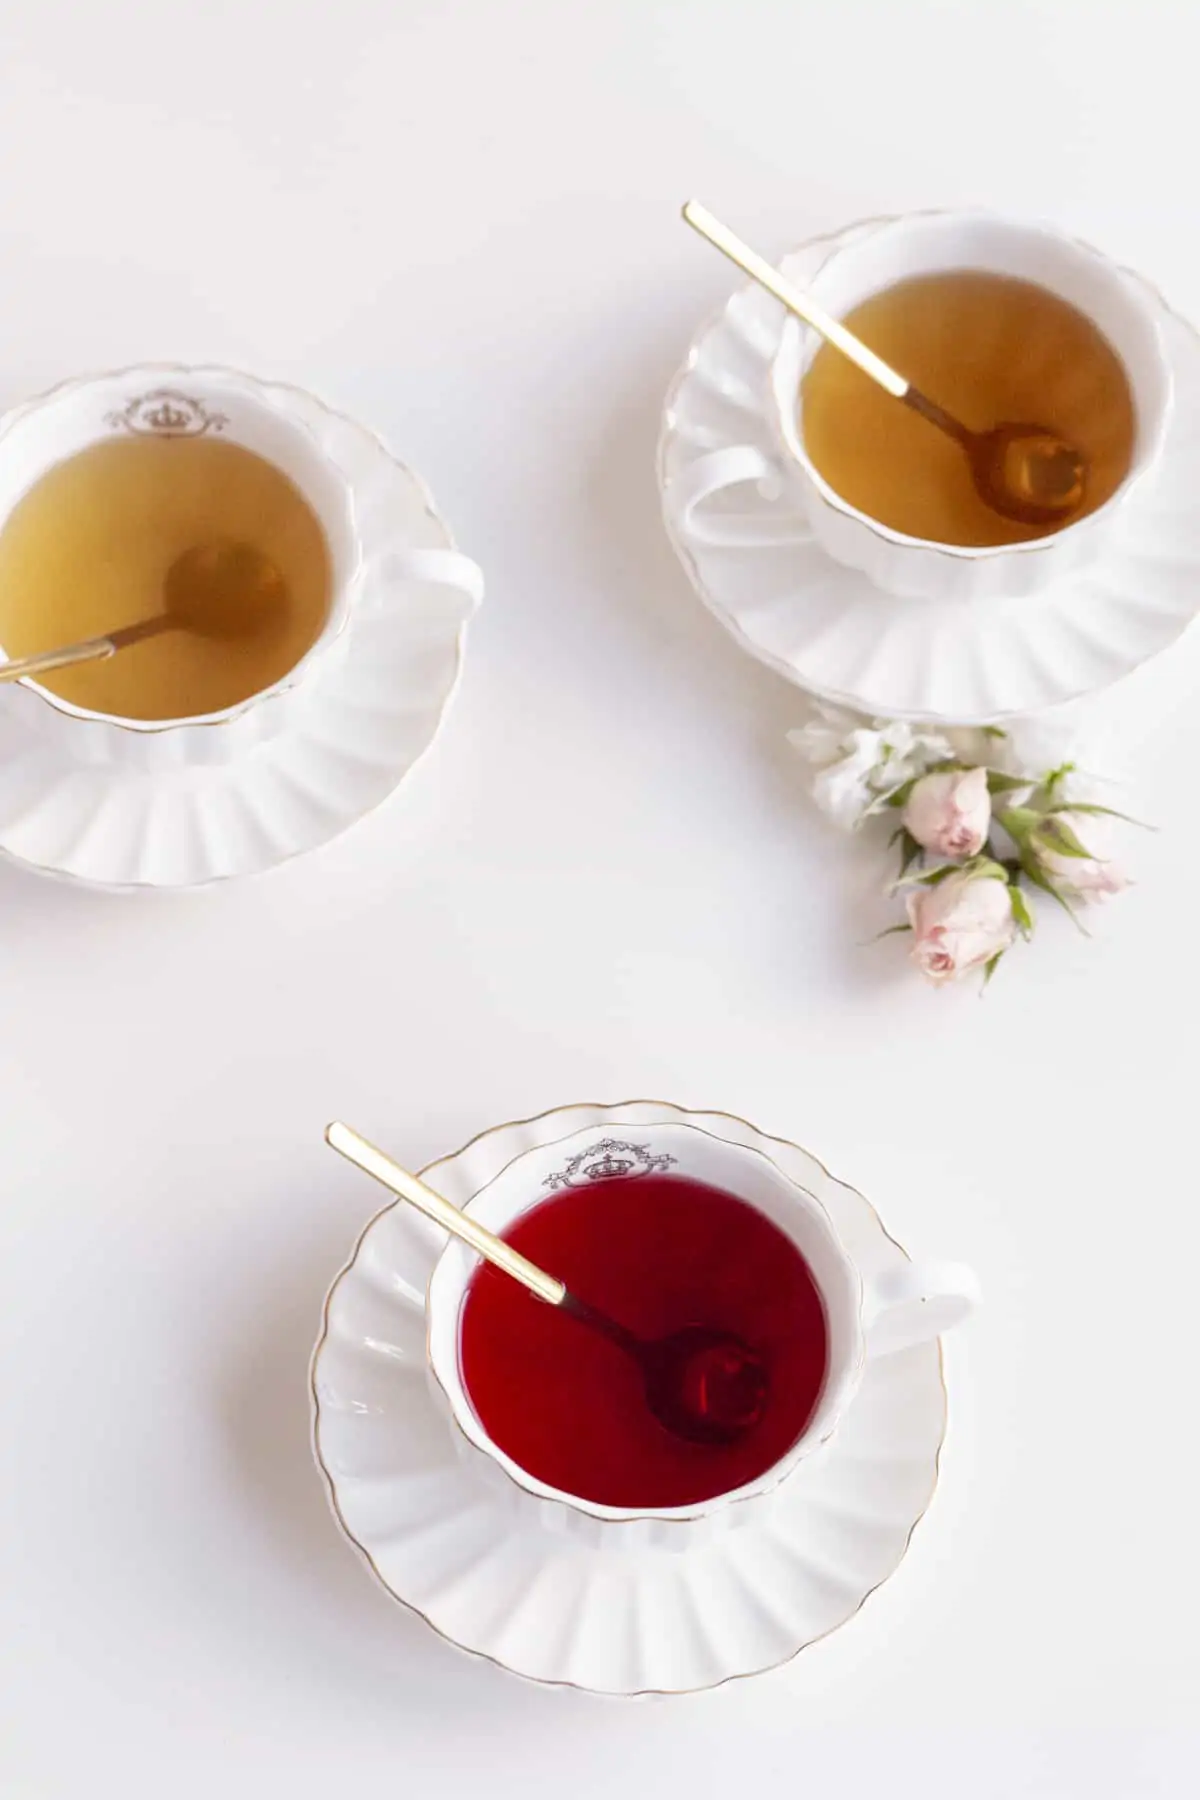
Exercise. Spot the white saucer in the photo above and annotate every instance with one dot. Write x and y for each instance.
(828, 628)
(541, 1603)
(369, 711)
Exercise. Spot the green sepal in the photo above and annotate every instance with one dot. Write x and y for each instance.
(1039, 880)
(1019, 822)
(999, 783)
(1056, 835)
(989, 969)
(1021, 911)
(1100, 812)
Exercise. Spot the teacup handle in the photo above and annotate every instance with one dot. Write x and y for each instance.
(687, 492)
(444, 568)
(919, 1301)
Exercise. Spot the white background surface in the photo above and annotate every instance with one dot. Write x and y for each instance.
(458, 221)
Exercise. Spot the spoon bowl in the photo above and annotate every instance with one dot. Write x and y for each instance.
(227, 591)
(705, 1385)
(1028, 473)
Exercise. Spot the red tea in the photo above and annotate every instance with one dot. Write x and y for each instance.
(657, 1252)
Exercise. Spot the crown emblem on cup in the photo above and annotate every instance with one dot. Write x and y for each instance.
(166, 413)
(608, 1157)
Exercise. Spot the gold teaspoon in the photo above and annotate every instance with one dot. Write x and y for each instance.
(1023, 472)
(701, 1383)
(224, 591)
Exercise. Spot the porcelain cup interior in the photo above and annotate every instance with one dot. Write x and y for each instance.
(877, 257)
(173, 403)
(678, 1150)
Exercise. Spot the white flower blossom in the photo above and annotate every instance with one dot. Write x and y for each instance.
(858, 762)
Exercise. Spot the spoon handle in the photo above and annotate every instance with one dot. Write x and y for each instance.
(45, 660)
(832, 330)
(372, 1161)
(92, 649)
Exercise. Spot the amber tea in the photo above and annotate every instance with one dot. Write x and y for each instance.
(990, 349)
(88, 548)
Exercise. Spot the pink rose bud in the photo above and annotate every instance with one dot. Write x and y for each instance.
(1090, 877)
(960, 924)
(950, 813)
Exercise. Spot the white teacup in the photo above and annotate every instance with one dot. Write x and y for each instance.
(875, 257)
(175, 401)
(915, 1303)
